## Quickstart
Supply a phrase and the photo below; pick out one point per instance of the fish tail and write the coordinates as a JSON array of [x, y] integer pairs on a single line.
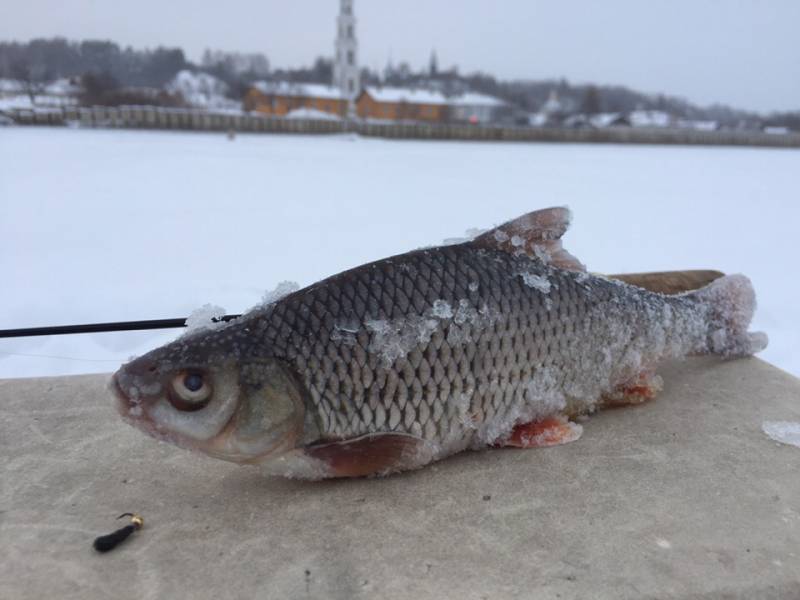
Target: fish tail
[[730, 303]]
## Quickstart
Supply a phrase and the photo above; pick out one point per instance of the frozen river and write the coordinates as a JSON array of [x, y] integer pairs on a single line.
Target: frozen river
[[115, 225]]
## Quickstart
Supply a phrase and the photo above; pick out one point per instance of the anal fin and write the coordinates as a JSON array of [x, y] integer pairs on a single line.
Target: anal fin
[[371, 454], [645, 387], [551, 431]]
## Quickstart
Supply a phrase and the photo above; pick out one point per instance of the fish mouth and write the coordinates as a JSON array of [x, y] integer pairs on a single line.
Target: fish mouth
[[134, 412]]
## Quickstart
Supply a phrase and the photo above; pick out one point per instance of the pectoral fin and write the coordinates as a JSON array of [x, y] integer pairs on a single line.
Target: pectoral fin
[[372, 454]]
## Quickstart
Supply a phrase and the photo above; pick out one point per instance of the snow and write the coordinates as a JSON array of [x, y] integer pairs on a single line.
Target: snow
[[442, 310], [299, 90], [785, 432], [127, 225], [283, 289], [23, 101], [63, 87], [412, 96], [476, 99], [205, 317], [11, 86], [698, 125], [202, 90], [312, 113], [603, 119], [538, 282], [650, 118]]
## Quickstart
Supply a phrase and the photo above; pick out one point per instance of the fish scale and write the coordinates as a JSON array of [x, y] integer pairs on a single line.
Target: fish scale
[[522, 330]]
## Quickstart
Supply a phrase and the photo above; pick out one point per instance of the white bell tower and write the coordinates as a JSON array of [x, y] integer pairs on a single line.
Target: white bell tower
[[345, 66]]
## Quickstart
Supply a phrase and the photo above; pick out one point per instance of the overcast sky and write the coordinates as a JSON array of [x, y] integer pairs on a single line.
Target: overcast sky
[[745, 53]]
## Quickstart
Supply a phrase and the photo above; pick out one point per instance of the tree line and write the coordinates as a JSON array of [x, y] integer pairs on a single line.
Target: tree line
[[111, 74]]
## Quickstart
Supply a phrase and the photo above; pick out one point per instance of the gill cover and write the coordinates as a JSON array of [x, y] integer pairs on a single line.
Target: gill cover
[[270, 417]]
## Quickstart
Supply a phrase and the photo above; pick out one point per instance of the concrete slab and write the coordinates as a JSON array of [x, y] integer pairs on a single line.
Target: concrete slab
[[684, 497]]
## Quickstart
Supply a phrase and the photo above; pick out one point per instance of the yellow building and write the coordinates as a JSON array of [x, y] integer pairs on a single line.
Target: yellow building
[[402, 104], [280, 98]]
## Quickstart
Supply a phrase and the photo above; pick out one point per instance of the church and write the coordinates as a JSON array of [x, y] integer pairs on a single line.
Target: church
[[345, 98]]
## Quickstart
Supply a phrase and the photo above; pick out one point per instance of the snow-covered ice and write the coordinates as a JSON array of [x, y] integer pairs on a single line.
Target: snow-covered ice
[[104, 225]]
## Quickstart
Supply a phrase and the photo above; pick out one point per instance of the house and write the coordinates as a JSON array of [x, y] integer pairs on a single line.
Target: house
[[472, 107], [612, 119], [402, 104], [280, 98], [650, 118], [698, 125], [375, 103], [577, 121], [551, 114]]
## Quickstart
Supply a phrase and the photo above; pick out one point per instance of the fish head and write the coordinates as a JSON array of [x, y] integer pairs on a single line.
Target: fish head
[[197, 394]]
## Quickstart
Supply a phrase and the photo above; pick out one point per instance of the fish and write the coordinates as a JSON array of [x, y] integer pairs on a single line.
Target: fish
[[504, 340]]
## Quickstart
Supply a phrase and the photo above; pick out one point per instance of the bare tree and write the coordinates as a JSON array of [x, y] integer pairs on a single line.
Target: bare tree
[[34, 77], [591, 101]]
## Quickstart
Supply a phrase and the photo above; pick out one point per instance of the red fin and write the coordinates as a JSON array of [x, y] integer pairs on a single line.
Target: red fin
[[670, 282], [537, 234], [372, 454], [550, 431], [640, 390]]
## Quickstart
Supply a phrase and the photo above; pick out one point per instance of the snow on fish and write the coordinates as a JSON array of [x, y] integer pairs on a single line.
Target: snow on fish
[[502, 340]]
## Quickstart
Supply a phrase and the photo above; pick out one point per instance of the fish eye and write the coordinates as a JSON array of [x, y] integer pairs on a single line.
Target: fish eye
[[189, 391]]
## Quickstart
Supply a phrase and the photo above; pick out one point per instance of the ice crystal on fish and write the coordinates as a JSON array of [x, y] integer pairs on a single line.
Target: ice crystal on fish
[[346, 334], [442, 309], [283, 289], [501, 236], [205, 317], [469, 235], [394, 339], [538, 282], [542, 254], [465, 312]]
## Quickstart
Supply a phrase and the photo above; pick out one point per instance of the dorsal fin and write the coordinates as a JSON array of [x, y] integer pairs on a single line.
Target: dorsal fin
[[536, 234], [670, 282]]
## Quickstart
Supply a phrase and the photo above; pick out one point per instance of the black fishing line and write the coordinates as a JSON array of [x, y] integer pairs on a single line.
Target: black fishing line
[[106, 543], [104, 327]]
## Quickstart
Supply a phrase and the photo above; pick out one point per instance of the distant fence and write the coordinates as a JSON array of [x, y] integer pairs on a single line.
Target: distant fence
[[149, 117]]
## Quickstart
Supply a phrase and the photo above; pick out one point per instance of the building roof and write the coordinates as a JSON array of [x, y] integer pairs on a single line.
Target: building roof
[[476, 99], [299, 90], [423, 96], [411, 96], [650, 118], [380, 94]]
